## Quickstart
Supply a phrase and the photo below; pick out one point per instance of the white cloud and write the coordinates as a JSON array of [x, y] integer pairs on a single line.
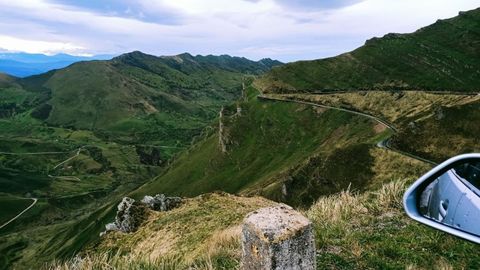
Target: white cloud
[[255, 29], [13, 44]]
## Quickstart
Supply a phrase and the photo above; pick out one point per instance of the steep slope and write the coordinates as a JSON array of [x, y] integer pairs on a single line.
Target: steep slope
[[5, 78], [284, 151], [430, 125], [443, 56], [167, 97], [80, 138]]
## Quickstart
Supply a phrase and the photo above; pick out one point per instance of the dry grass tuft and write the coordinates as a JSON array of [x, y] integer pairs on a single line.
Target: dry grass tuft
[[225, 241], [390, 195], [336, 208]]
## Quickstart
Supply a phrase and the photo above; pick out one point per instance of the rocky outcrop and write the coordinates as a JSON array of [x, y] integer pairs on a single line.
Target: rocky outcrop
[[160, 202], [222, 137], [277, 238], [131, 214]]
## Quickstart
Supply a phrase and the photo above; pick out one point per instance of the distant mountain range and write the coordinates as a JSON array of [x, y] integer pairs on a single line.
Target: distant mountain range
[[134, 92], [26, 64]]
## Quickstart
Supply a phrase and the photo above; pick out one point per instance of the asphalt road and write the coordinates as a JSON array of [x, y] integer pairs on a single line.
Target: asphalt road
[[382, 144], [21, 213]]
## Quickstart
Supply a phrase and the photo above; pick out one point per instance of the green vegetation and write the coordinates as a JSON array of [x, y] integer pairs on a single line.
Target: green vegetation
[[284, 151], [444, 56], [12, 206], [371, 231], [262, 143], [80, 138], [430, 125], [353, 231], [203, 233]]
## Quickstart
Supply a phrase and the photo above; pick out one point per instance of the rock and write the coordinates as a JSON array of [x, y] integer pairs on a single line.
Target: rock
[[130, 215], [111, 227], [161, 203], [277, 238]]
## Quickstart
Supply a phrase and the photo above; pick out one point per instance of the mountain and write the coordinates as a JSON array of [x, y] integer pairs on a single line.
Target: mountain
[[137, 84], [25, 64], [444, 56], [79, 138], [173, 96]]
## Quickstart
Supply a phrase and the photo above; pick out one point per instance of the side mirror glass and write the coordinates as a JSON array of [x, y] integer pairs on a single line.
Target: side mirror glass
[[447, 198]]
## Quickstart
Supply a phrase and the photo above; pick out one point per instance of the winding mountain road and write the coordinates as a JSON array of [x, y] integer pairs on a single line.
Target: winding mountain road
[[385, 144], [21, 213]]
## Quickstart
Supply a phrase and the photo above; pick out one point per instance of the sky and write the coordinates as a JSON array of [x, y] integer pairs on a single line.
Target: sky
[[287, 30]]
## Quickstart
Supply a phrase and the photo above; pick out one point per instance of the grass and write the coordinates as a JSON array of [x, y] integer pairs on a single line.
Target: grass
[[67, 215], [397, 107], [443, 57], [263, 144], [371, 231], [12, 206], [352, 231], [430, 125], [203, 233]]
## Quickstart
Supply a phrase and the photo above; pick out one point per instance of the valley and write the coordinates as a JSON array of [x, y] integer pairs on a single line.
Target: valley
[[339, 139], [78, 160]]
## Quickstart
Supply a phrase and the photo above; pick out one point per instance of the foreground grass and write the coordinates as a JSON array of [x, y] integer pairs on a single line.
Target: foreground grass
[[371, 231], [203, 233], [353, 231]]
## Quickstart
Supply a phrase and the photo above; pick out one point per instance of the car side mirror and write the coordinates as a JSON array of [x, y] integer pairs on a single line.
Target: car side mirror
[[447, 198]]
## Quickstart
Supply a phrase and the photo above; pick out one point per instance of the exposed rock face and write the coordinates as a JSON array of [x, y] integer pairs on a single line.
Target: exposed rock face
[[222, 140], [277, 238], [161, 203], [131, 214]]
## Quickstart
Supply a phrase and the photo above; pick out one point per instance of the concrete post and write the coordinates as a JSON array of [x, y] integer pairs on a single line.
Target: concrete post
[[277, 238]]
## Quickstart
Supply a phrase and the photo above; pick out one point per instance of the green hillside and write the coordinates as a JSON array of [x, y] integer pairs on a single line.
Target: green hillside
[[444, 56], [80, 138], [284, 151]]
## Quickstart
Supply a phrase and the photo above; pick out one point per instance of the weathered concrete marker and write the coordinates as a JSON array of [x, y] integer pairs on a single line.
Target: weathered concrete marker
[[277, 238]]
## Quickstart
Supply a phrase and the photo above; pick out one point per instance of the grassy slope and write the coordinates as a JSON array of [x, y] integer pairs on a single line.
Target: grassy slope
[[67, 209], [353, 231], [442, 56], [12, 206], [100, 94], [274, 146], [433, 126], [119, 111]]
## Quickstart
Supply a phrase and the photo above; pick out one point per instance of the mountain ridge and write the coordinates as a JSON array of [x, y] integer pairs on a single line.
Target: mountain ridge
[[444, 56]]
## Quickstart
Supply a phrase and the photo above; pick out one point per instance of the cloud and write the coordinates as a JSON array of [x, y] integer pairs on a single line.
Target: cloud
[[123, 8], [250, 28], [317, 4], [12, 44]]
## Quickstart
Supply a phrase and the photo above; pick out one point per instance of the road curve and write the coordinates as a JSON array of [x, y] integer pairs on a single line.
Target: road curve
[[379, 120], [21, 213], [382, 144]]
